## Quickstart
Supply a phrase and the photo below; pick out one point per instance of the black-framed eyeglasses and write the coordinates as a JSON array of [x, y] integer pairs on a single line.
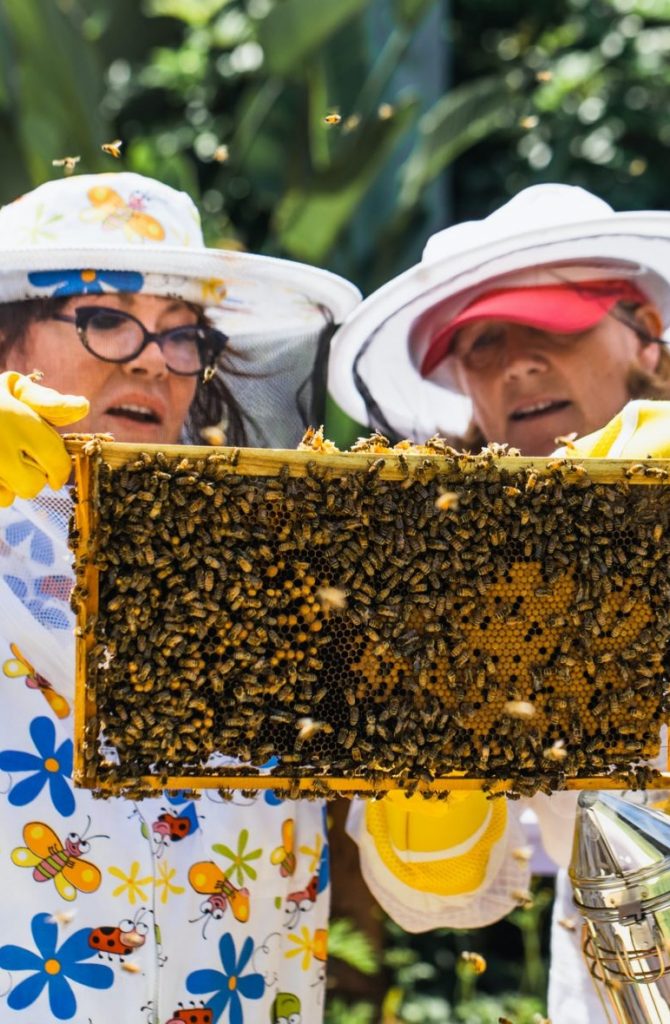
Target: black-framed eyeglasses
[[119, 337]]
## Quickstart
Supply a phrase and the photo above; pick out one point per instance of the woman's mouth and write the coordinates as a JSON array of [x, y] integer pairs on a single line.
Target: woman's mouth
[[537, 409], [136, 413]]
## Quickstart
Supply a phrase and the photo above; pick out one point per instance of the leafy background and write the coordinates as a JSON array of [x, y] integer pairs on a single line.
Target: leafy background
[[446, 110]]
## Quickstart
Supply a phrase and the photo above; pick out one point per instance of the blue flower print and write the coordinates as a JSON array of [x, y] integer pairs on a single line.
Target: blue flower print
[[49, 765], [323, 870], [40, 602], [87, 282], [229, 985], [53, 968], [41, 548]]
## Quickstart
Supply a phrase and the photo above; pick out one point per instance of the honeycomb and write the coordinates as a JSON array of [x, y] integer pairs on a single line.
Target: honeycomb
[[335, 617]]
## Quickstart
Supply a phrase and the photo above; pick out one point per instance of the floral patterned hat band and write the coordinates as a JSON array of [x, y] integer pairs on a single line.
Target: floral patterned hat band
[[106, 233]]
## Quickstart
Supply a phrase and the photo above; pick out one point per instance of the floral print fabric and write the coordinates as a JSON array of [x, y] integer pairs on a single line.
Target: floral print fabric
[[148, 912]]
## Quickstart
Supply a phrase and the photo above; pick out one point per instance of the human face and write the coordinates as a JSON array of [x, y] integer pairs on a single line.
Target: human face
[[543, 385], [135, 401]]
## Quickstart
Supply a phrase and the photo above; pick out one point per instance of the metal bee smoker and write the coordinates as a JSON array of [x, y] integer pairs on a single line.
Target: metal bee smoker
[[620, 874]]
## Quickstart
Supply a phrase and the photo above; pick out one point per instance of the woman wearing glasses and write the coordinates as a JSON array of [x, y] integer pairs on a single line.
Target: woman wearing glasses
[[169, 908]]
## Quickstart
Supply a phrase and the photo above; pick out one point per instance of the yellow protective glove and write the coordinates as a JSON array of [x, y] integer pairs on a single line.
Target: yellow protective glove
[[443, 846], [640, 431], [32, 454]]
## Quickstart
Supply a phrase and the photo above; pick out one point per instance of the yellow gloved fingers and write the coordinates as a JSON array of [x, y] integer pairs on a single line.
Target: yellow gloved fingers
[[33, 448], [32, 453], [6, 496], [640, 431], [51, 405]]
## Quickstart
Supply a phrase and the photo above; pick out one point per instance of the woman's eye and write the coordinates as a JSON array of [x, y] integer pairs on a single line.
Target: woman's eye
[[187, 333], [484, 340], [106, 321]]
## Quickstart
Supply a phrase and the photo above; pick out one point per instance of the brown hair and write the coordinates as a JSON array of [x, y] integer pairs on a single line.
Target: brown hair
[[213, 403]]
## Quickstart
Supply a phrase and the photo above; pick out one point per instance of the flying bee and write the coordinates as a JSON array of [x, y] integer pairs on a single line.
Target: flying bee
[[447, 501], [112, 148], [522, 709], [68, 163], [332, 118], [568, 923], [62, 917], [568, 439], [475, 961], [221, 154], [523, 854], [523, 898], [307, 728], [556, 752], [130, 967], [331, 598]]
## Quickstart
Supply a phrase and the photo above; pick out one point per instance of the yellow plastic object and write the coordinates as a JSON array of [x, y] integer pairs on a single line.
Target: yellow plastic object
[[32, 454], [330, 612], [439, 848], [640, 431]]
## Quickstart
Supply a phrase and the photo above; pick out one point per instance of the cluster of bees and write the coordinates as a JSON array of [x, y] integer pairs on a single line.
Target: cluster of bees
[[331, 624]]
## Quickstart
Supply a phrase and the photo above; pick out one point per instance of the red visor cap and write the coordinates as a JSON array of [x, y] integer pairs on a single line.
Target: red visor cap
[[563, 308]]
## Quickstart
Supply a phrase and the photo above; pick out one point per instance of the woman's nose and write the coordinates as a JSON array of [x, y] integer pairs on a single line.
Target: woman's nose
[[149, 362], [522, 353]]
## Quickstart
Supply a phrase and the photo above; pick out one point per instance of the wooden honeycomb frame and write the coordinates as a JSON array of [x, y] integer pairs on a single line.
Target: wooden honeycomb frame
[[397, 470]]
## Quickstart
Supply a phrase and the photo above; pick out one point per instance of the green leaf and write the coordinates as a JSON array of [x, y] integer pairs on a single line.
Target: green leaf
[[352, 946], [463, 117], [411, 12], [58, 89], [295, 29], [309, 219], [193, 12]]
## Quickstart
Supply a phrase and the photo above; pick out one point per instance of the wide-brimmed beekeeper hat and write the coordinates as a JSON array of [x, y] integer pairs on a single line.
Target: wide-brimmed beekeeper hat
[[106, 233], [386, 367]]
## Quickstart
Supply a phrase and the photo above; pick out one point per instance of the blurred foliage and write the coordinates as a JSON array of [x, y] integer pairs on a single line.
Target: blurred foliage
[[432, 985], [594, 79]]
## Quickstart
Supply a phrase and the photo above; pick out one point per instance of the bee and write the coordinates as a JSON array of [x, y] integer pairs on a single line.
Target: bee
[[307, 728], [566, 440], [331, 597], [520, 709], [447, 501], [332, 118], [556, 752], [68, 163], [522, 898], [475, 961], [523, 854], [213, 435], [221, 154], [568, 923], [385, 111], [112, 148], [62, 917]]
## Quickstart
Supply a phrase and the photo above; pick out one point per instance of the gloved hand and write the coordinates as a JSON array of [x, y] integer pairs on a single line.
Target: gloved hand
[[640, 431], [444, 847], [32, 454]]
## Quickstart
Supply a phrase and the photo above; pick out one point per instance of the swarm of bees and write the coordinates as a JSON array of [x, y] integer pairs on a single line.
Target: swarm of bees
[[339, 622]]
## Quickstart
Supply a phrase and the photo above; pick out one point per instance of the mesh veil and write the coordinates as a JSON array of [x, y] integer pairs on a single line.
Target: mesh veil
[[278, 382]]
